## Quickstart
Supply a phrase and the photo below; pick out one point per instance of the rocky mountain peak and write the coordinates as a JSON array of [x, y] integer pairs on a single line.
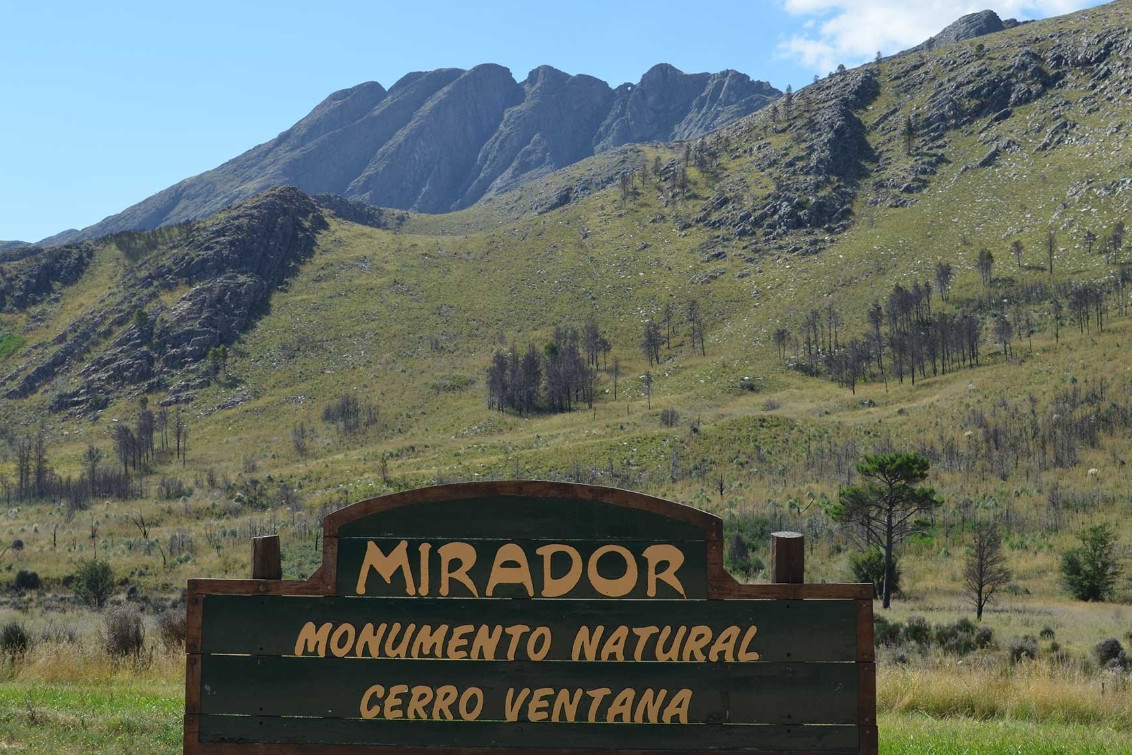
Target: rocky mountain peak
[[442, 140], [966, 27]]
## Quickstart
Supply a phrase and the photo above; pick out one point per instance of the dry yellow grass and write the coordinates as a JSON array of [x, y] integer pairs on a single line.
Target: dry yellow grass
[[1038, 691]]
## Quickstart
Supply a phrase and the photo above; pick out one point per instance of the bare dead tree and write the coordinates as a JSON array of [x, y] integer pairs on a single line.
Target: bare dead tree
[[985, 572]]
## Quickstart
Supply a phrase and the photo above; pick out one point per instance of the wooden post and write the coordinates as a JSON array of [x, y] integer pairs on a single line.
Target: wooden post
[[787, 557], [265, 558]]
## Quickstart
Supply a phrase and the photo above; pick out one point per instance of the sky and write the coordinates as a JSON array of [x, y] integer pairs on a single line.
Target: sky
[[102, 104]]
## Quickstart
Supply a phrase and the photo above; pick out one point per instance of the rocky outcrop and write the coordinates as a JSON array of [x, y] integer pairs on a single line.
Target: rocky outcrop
[[29, 274], [967, 27], [442, 140], [231, 264]]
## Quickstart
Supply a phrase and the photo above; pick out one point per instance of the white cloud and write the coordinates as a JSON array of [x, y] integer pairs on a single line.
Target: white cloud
[[853, 31]]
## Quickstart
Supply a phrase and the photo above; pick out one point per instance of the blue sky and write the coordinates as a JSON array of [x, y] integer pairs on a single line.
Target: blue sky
[[100, 107]]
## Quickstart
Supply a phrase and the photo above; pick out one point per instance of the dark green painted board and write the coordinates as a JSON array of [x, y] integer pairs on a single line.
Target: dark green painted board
[[788, 630], [722, 693], [351, 554], [521, 518], [835, 740]]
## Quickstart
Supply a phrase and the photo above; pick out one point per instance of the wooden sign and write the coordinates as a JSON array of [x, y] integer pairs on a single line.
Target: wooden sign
[[527, 616]]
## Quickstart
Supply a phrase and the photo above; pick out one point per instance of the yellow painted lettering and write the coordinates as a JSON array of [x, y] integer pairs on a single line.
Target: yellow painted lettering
[[451, 553], [386, 566], [724, 645], [745, 654], [457, 642], [313, 640], [614, 647], [677, 707], [485, 642], [698, 638], [342, 640], [393, 701], [555, 587], [673, 558], [372, 710], [586, 643], [537, 710], [613, 588]]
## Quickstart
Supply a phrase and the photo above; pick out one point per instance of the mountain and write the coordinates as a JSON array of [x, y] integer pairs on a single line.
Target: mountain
[[1008, 141], [441, 140]]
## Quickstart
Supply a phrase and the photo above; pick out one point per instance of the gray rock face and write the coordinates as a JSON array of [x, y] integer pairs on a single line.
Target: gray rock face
[[441, 140], [968, 27]]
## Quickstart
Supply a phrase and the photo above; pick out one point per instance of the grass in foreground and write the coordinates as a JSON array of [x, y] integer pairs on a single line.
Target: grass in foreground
[[135, 718], [59, 718], [920, 734]]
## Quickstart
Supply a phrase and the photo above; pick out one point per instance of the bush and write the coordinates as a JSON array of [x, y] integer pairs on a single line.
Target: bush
[[887, 632], [94, 582], [868, 566], [1108, 650], [918, 631], [963, 637], [740, 559], [27, 580], [171, 628], [1047, 633], [669, 417], [125, 633], [14, 639], [1090, 571], [1023, 647]]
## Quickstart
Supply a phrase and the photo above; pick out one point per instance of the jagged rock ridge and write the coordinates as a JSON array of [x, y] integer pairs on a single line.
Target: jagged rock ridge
[[441, 140], [230, 264]]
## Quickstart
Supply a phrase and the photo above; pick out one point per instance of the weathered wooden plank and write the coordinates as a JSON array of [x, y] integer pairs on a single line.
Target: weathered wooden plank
[[692, 573], [733, 590], [521, 517], [721, 693], [627, 738], [539, 491], [787, 630]]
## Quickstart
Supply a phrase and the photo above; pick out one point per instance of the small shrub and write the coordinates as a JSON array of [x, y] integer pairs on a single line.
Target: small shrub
[[740, 559], [171, 628], [14, 639], [1047, 633], [125, 632], [1023, 647], [94, 582], [1108, 650], [868, 566], [887, 632], [963, 637], [1090, 571], [918, 631], [669, 417], [27, 580]]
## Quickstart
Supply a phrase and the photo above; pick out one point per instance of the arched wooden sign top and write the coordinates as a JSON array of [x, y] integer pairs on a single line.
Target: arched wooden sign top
[[527, 616]]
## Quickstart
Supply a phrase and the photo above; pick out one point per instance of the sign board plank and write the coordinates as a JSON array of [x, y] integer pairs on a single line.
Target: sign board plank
[[787, 630], [748, 693], [448, 737], [623, 632], [522, 518], [539, 562]]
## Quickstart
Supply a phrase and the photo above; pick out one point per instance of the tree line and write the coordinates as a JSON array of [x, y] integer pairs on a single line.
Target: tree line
[[134, 447]]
